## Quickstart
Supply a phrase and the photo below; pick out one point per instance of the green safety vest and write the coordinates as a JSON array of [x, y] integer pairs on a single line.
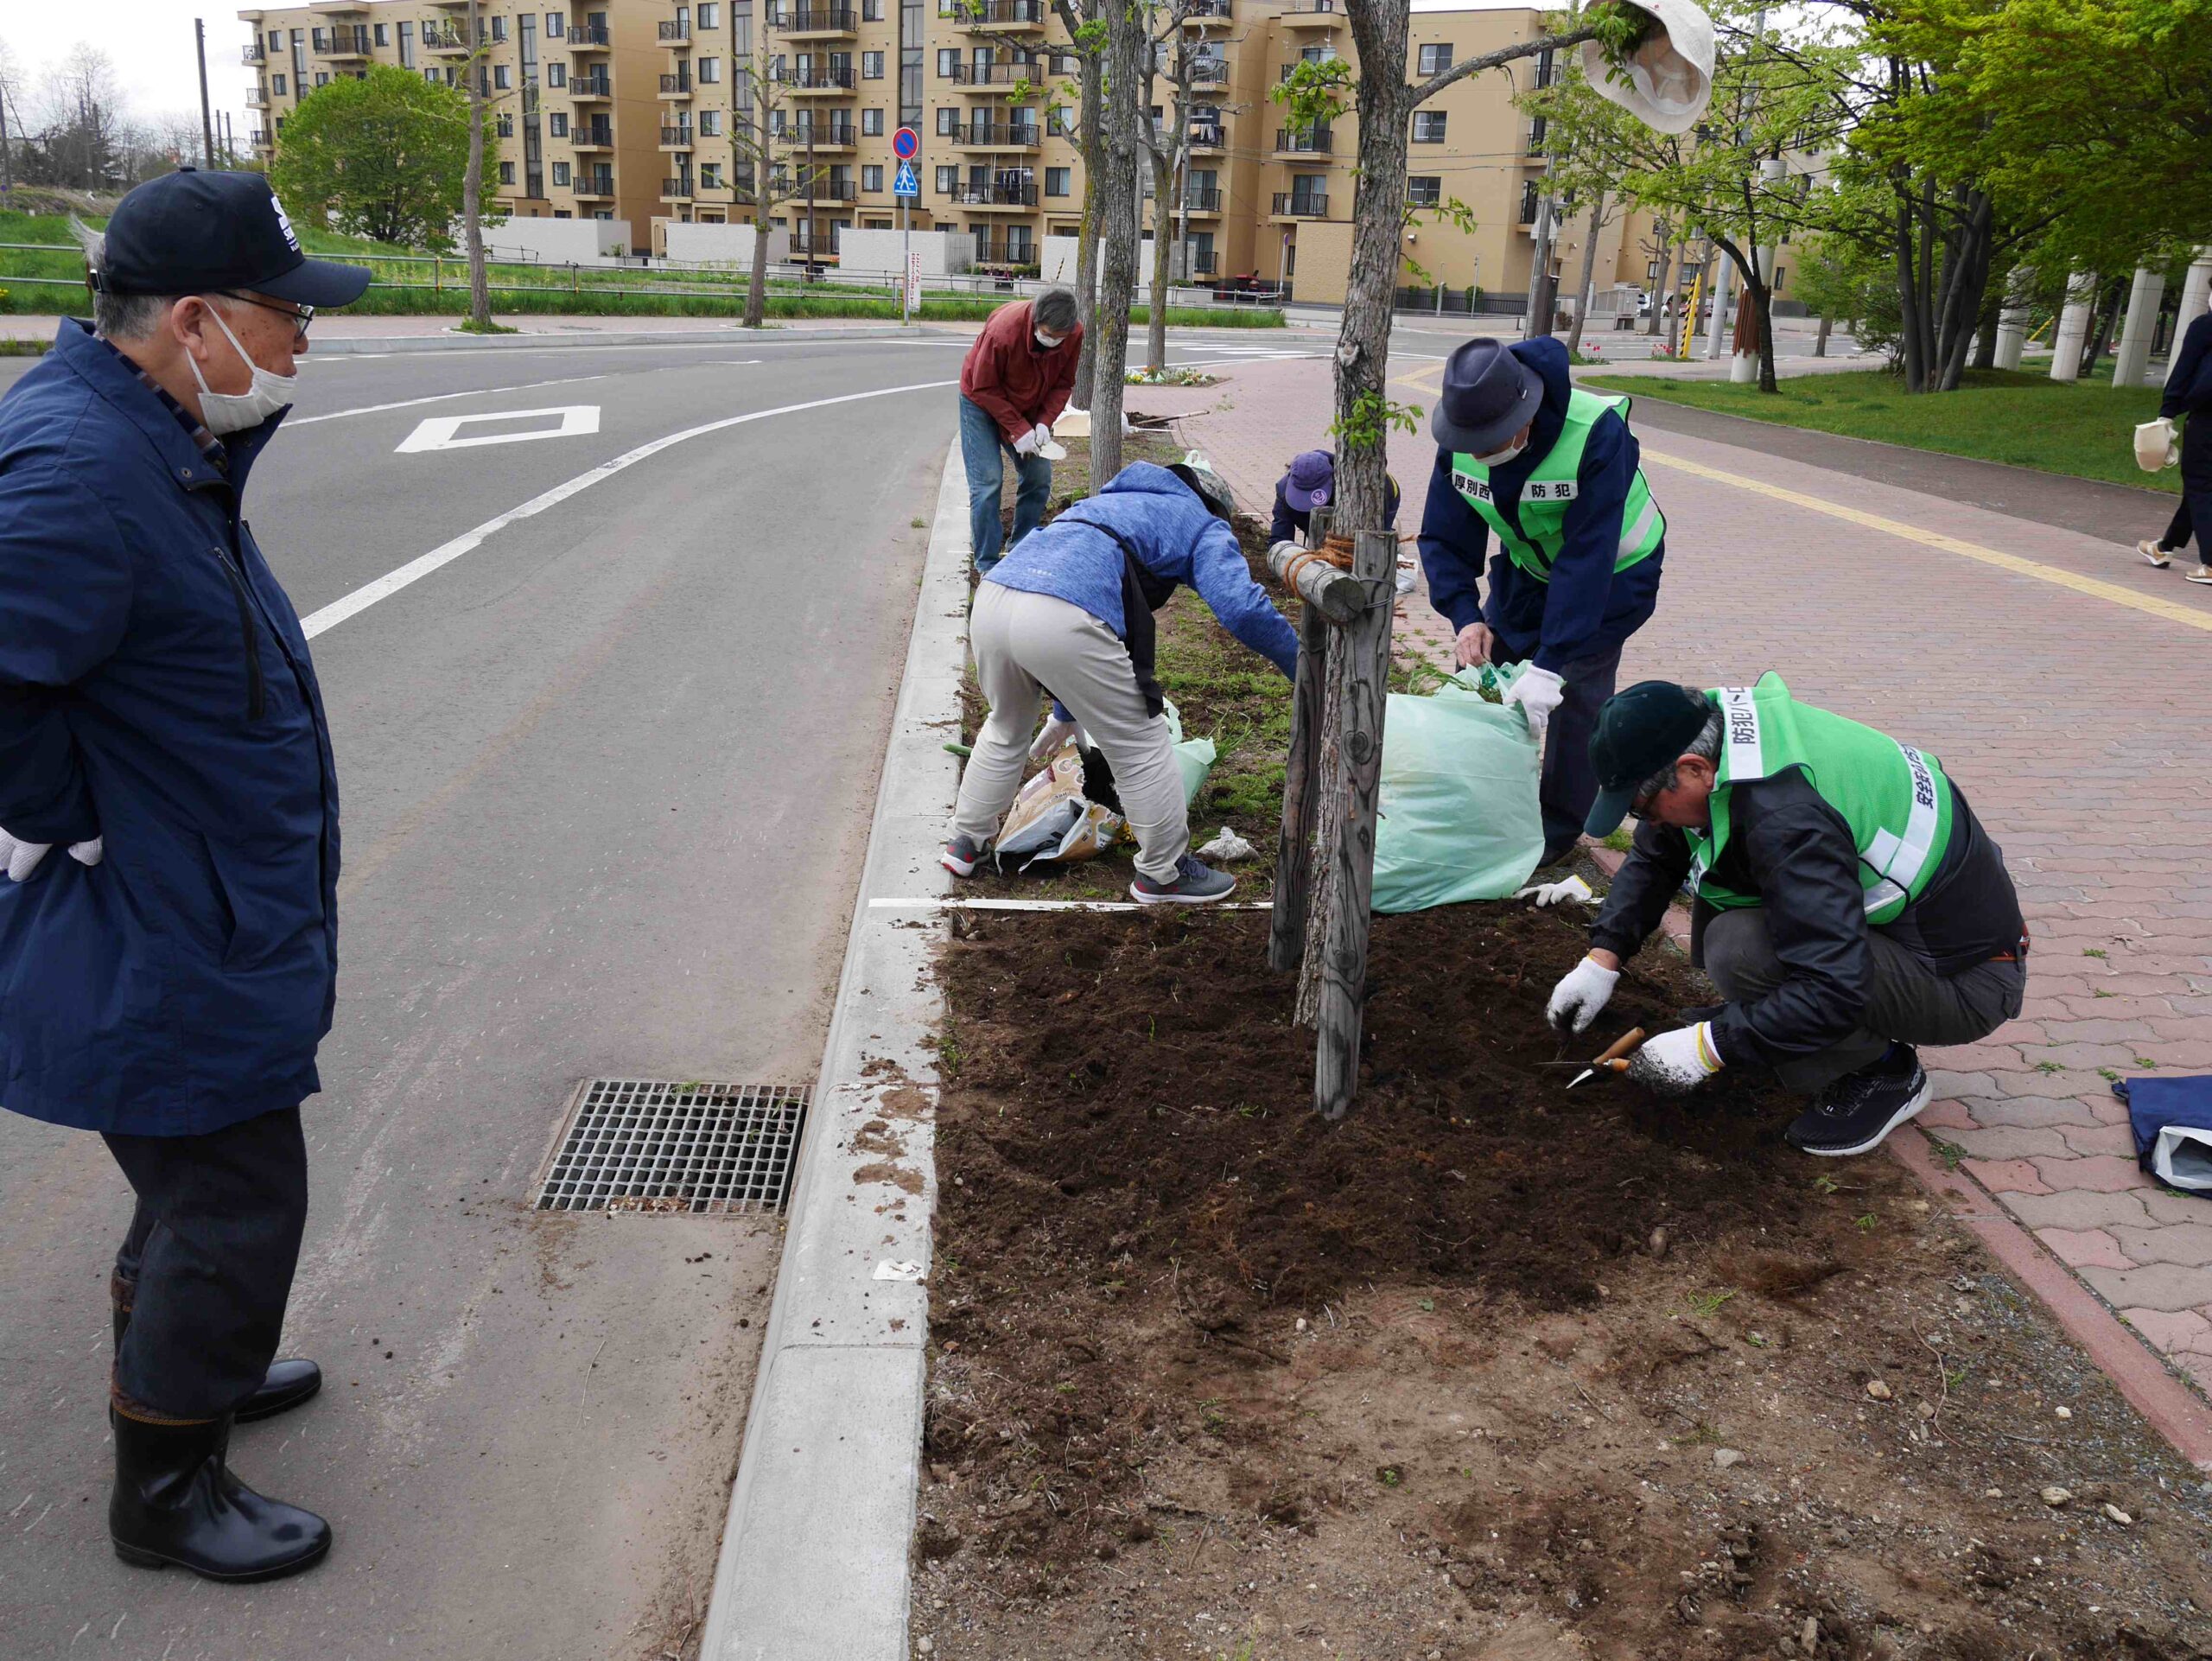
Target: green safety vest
[[1552, 488], [1895, 798]]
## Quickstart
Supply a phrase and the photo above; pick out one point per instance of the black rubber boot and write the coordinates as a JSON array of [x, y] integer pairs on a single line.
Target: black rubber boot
[[176, 1503], [286, 1385]]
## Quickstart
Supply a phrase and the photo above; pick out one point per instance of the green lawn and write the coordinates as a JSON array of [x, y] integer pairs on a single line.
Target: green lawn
[[2026, 419]]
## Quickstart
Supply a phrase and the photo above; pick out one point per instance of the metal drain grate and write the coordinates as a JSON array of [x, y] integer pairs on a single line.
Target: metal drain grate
[[651, 1146]]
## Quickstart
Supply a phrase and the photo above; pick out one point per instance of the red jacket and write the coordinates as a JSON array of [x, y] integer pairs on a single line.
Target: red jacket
[[1019, 382]]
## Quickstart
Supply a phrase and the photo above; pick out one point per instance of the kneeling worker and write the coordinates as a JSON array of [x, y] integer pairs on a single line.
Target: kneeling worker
[[1070, 607], [1849, 906]]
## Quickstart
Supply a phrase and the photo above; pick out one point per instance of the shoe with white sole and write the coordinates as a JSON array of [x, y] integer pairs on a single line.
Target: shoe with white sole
[[2203, 574], [1856, 1113], [1196, 884], [2153, 555], [962, 855]]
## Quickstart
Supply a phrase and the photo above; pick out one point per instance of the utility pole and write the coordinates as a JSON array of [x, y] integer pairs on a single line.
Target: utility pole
[[7, 151], [206, 121]]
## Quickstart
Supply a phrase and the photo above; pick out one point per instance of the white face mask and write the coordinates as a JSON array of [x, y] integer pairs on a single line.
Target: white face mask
[[233, 412], [1048, 342], [1500, 457]]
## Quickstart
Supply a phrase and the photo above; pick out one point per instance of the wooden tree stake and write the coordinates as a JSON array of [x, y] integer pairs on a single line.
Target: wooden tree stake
[[1301, 798]]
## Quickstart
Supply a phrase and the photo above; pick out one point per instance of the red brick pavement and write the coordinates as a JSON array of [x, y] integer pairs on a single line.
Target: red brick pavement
[[2066, 718]]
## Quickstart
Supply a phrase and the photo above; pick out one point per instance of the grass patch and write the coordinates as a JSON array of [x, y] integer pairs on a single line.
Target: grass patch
[[2085, 430], [25, 348]]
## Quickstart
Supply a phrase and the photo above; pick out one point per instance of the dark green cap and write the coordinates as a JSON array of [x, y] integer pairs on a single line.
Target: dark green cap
[[1639, 731]]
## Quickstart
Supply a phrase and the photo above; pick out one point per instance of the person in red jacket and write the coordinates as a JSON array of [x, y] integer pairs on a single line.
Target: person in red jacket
[[1013, 387]]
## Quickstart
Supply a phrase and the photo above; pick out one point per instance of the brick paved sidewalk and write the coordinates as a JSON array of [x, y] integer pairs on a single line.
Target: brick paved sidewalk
[[2055, 680]]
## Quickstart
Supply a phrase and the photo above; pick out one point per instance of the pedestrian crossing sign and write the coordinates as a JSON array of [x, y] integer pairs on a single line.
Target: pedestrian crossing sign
[[907, 183]]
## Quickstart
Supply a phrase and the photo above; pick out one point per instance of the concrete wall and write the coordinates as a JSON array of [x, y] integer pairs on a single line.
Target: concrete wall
[[1056, 263], [582, 242], [944, 253], [720, 245]]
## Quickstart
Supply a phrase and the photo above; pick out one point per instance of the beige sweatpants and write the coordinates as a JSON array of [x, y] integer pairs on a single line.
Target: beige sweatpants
[[1023, 643]]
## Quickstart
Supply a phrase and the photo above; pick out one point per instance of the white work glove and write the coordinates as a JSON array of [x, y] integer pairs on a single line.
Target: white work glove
[[1538, 692], [1582, 991], [1042, 434], [1027, 443], [1472, 646], [1677, 1061], [1557, 893], [22, 858], [1055, 733]]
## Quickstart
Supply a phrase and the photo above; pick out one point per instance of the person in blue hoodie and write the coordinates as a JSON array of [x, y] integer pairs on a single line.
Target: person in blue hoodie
[[1069, 608], [1549, 474]]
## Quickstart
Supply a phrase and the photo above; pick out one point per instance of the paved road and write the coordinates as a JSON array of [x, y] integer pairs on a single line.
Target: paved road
[[607, 779]]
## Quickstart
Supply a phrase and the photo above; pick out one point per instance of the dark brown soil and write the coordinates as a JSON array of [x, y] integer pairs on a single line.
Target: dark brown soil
[[1212, 1377]]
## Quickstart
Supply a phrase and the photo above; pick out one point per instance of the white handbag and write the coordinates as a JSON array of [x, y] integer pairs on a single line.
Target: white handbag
[[2155, 447], [1669, 77]]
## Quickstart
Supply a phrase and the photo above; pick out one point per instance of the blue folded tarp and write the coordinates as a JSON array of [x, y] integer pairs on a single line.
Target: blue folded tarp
[[2172, 1122]]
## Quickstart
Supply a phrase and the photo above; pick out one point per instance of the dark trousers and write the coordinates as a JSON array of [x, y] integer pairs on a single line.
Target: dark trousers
[[1908, 1001], [2194, 513], [1568, 784], [207, 1267]]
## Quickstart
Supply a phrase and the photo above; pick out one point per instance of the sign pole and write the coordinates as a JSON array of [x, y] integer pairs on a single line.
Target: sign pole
[[906, 145], [905, 262]]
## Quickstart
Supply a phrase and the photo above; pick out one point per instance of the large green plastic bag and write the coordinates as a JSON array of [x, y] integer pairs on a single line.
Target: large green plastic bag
[[1458, 813], [1194, 756]]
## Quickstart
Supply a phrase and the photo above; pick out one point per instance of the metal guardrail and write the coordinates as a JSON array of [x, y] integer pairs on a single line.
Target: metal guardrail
[[1290, 206], [1292, 141]]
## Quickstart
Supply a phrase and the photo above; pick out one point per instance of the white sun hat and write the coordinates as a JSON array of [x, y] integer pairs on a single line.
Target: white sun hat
[[1669, 78]]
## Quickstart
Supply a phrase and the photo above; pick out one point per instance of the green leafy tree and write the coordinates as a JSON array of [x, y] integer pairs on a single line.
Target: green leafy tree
[[382, 156]]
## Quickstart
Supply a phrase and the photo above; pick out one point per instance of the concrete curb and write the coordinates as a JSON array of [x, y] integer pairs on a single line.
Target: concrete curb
[[342, 346], [814, 1562], [2173, 1410]]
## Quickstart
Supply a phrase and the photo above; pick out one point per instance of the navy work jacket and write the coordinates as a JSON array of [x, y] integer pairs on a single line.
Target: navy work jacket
[[154, 691]]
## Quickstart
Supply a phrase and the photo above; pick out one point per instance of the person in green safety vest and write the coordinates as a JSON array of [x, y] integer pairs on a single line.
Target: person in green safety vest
[[1848, 903], [1543, 482]]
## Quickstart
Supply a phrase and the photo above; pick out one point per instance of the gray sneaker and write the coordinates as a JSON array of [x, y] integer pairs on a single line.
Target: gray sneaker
[[1196, 884], [962, 855]]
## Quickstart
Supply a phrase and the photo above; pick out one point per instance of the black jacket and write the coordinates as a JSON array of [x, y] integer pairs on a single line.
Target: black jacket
[[1794, 851], [2189, 379]]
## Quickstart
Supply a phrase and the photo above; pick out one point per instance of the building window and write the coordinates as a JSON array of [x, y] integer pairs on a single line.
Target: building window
[[561, 174], [322, 78], [558, 123], [710, 71], [1428, 126], [556, 25], [872, 177], [710, 15], [556, 74], [506, 124], [431, 74], [947, 178], [948, 62], [275, 40], [871, 11], [1056, 120], [499, 77], [710, 174], [872, 122], [384, 34], [1529, 201], [710, 123], [1056, 181], [871, 65], [277, 84], [1435, 59], [506, 173], [1427, 191], [948, 122], [499, 30]]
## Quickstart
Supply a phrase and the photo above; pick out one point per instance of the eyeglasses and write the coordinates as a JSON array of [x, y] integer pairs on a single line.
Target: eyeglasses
[[301, 316]]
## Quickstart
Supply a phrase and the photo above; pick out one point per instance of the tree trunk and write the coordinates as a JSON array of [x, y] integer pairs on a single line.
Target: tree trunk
[[472, 186], [1092, 138], [1821, 341], [1659, 283], [1127, 44], [756, 281], [1910, 347], [756, 285], [1588, 290], [1156, 335], [1539, 271], [2100, 335]]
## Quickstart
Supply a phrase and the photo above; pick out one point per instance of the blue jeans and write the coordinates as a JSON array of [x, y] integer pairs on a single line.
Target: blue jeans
[[980, 442]]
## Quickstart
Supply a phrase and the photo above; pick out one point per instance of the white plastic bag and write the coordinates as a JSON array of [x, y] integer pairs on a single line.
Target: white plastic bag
[[1669, 77], [2155, 446]]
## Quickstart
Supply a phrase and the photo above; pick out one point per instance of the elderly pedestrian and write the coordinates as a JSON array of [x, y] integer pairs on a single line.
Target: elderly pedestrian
[[165, 978], [2189, 396], [1014, 383]]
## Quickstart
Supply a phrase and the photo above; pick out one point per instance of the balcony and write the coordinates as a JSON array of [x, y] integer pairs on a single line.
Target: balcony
[[1023, 14], [256, 99], [1290, 69], [675, 190], [592, 136], [1293, 141], [1313, 14], [1206, 14], [589, 37], [676, 138], [1014, 257], [1206, 139], [813, 249], [991, 77], [676, 86], [678, 34], [813, 81], [342, 42], [1299, 205], [1013, 196], [590, 89], [827, 190], [1207, 70], [253, 54], [261, 139], [827, 136], [1203, 262], [1195, 201], [444, 37], [816, 23], [997, 135], [595, 187]]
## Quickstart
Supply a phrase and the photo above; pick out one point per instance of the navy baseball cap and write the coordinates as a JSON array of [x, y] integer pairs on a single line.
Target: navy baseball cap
[[1639, 731], [1313, 481], [194, 233], [1488, 395]]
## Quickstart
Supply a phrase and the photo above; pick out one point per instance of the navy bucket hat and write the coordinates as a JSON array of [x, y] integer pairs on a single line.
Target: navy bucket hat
[[1487, 396]]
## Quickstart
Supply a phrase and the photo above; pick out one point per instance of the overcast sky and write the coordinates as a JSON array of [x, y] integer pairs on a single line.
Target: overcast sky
[[150, 43]]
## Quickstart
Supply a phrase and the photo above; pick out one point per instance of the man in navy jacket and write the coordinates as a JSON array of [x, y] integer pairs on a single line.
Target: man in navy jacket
[[1549, 475], [165, 981]]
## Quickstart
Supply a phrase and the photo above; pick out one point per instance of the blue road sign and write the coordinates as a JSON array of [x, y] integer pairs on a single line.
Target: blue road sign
[[907, 183], [905, 143]]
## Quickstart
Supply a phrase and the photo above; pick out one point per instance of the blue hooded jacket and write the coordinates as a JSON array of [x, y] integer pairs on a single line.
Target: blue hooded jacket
[[154, 691], [1586, 608], [1174, 536]]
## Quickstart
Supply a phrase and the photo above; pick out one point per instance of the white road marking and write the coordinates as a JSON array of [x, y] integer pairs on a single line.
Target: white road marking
[[939, 903], [438, 398], [415, 570], [443, 432]]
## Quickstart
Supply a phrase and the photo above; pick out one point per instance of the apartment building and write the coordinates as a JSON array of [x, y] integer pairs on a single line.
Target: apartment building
[[645, 110]]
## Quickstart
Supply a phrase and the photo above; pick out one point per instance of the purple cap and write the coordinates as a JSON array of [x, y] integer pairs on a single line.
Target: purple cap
[[1312, 482]]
